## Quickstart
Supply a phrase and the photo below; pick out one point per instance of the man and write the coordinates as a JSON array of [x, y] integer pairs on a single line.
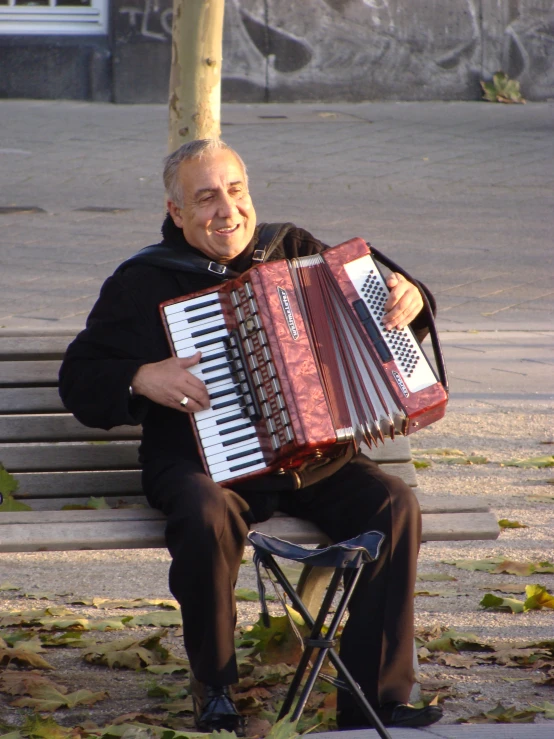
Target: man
[[119, 371]]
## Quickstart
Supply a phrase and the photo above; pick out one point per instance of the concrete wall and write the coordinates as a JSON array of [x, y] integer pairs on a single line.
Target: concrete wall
[[325, 50]]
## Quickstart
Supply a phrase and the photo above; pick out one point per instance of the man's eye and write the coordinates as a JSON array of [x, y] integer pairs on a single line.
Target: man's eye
[[206, 198], [236, 192]]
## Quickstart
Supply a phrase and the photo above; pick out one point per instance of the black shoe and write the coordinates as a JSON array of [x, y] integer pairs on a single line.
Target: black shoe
[[214, 708], [391, 714], [402, 714]]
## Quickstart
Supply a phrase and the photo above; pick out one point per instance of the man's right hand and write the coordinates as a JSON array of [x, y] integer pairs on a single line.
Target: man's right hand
[[168, 382]]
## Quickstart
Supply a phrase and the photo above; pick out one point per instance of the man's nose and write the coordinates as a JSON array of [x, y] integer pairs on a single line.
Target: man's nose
[[227, 206]]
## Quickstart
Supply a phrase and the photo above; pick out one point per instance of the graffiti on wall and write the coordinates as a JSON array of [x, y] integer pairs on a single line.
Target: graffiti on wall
[[366, 49]]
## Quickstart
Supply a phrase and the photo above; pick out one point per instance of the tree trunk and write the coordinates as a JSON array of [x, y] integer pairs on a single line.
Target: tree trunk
[[195, 80]]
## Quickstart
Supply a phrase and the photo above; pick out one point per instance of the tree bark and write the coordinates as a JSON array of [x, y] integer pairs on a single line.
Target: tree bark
[[195, 79]]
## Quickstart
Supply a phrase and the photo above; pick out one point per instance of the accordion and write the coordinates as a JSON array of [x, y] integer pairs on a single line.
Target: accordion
[[298, 363]]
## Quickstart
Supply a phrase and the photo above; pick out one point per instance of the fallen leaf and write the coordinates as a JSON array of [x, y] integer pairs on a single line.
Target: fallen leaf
[[25, 658], [546, 708], [494, 603], [15, 682], [505, 523], [531, 462], [156, 618], [538, 597], [501, 715], [48, 698], [435, 577], [132, 653], [456, 660], [37, 727]]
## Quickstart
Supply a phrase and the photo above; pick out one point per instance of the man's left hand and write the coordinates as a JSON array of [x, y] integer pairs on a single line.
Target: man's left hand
[[404, 302]]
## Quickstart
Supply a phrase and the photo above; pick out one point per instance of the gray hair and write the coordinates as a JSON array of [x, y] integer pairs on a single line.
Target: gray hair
[[192, 150]]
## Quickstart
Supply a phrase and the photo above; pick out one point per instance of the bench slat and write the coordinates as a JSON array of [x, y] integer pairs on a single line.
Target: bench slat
[[459, 526], [428, 503], [69, 456], [63, 484], [33, 372], [391, 451], [58, 427], [42, 344], [30, 400], [56, 504], [143, 528]]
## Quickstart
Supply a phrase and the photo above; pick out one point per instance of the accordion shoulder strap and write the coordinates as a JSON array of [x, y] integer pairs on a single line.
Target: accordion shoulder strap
[[270, 236]]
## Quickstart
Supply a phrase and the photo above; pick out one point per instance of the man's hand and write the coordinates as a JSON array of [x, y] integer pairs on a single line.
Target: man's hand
[[403, 304], [168, 382]]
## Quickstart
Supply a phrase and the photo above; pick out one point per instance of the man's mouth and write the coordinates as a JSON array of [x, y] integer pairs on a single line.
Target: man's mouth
[[228, 230]]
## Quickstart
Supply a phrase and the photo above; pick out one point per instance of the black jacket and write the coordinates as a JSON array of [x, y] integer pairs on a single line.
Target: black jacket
[[124, 331]]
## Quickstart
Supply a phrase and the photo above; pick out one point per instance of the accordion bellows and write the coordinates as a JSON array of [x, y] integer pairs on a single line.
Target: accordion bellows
[[298, 363]]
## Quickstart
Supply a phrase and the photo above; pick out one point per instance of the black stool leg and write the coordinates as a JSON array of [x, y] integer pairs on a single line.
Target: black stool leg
[[315, 635]]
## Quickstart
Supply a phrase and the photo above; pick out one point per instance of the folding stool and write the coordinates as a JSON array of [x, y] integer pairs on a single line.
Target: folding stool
[[347, 556]]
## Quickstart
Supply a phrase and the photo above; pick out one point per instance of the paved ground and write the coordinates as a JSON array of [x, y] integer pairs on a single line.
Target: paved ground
[[462, 194]]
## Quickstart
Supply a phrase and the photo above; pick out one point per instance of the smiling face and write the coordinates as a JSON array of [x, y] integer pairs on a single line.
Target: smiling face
[[216, 215]]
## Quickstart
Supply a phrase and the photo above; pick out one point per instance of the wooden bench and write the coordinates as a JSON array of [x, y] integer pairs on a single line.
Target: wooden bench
[[59, 462]]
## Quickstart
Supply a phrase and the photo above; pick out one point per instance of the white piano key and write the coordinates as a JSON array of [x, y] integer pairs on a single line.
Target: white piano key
[[236, 439], [215, 348], [186, 324], [196, 343], [211, 412], [216, 420], [179, 307], [219, 463], [226, 475], [184, 330], [244, 425]]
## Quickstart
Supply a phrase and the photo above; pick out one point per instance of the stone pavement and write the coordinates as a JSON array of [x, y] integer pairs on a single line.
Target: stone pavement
[[461, 194]]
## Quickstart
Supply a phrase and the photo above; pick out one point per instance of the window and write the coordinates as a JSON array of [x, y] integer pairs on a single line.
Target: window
[[53, 17]]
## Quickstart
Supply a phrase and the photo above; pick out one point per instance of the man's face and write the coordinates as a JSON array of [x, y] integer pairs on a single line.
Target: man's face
[[217, 215]]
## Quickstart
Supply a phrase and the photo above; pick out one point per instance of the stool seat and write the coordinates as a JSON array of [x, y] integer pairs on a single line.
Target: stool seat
[[349, 554], [346, 556]]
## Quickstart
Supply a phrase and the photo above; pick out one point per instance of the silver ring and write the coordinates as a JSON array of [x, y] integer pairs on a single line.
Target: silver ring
[[185, 401]]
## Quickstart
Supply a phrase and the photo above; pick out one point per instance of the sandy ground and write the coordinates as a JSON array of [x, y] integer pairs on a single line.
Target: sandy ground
[[523, 494]]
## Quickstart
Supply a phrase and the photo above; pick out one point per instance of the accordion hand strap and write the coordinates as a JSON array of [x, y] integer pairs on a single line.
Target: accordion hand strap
[[435, 341]]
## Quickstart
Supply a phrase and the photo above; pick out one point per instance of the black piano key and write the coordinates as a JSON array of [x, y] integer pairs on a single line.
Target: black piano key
[[235, 417], [205, 331], [246, 464], [234, 442], [207, 342], [217, 367], [211, 314], [211, 357], [244, 453], [219, 378], [199, 306], [232, 430], [225, 391], [226, 403]]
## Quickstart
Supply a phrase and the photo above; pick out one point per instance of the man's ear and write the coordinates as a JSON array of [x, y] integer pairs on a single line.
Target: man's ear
[[175, 213]]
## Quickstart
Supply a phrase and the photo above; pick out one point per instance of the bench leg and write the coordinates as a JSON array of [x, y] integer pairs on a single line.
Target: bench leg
[[312, 585]]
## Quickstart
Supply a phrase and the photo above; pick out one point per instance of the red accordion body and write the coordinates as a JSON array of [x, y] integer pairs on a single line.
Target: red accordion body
[[298, 363]]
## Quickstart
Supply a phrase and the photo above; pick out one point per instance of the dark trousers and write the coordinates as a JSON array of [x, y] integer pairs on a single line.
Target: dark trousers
[[205, 535]]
